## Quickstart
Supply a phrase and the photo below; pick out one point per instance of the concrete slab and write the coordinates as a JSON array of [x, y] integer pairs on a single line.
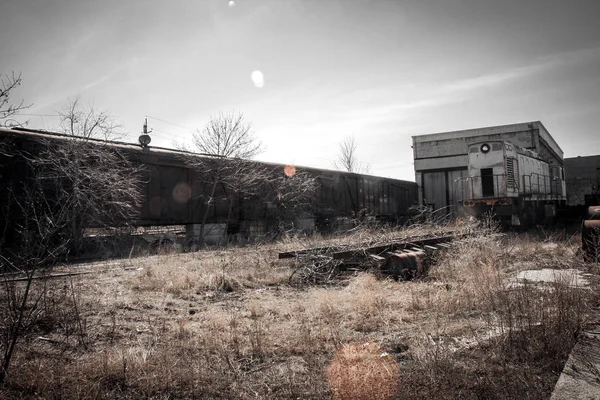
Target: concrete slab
[[580, 378], [571, 277]]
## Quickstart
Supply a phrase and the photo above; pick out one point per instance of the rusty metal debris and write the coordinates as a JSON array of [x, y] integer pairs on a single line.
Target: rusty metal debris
[[403, 259], [590, 235], [344, 252]]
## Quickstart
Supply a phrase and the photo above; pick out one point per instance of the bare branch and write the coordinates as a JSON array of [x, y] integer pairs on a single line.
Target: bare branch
[[85, 122], [227, 135], [8, 83]]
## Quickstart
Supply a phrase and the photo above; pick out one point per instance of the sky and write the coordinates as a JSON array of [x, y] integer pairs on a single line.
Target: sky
[[309, 73]]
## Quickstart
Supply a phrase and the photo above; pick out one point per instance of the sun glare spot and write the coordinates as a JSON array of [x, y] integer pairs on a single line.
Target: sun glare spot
[[258, 79], [289, 170], [231, 3]]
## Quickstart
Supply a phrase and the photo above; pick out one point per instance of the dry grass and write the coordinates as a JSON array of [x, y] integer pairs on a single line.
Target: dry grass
[[218, 271], [517, 336], [227, 324]]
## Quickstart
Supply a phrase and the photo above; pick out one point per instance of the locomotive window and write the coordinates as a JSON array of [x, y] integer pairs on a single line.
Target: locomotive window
[[474, 149], [496, 146]]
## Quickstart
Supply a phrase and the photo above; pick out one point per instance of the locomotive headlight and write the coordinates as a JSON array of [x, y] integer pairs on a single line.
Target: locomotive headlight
[[485, 148]]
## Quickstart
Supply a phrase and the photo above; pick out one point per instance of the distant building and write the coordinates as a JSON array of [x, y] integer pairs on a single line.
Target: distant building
[[441, 158], [582, 175]]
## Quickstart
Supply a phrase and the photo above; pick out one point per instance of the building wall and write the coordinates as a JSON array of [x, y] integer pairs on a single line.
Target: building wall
[[582, 175], [440, 158]]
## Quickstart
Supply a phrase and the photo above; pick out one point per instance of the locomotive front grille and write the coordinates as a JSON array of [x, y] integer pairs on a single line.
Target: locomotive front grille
[[510, 172]]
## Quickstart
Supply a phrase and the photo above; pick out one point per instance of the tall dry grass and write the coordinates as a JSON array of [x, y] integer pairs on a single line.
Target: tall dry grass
[[218, 271]]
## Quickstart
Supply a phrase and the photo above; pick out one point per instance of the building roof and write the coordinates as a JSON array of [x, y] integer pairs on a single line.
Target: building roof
[[493, 130]]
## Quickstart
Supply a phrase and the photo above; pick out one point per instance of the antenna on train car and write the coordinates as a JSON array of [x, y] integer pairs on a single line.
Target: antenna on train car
[[145, 137]]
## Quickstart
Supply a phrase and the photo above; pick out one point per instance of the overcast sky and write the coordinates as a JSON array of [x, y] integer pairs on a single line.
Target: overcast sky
[[379, 70]]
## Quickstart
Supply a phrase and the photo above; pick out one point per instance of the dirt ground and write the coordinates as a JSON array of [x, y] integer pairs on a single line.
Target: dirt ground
[[231, 324]]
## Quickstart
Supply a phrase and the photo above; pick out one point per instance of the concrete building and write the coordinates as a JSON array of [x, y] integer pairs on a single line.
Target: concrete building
[[441, 158], [582, 175]]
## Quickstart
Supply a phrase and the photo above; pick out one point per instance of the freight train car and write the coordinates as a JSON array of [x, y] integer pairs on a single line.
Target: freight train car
[[174, 196], [344, 194], [340, 198], [510, 182]]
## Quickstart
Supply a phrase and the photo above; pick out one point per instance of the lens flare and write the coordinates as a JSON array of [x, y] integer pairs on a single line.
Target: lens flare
[[182, 193], [258, 79], [289, 170]]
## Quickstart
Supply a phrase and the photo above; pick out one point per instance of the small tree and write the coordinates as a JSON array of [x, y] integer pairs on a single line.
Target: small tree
[[347, 159], [55, 187], [101, 184], [225, 145], [291, 194]]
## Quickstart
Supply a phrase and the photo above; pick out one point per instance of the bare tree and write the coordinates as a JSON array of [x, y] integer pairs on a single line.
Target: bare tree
[[8, 83], [86, 122], [102, 184], [225, 146], [55, 188], [347, 159], [227, 135]]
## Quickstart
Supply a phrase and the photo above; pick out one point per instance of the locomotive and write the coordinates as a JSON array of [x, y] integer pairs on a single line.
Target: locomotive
[[510, 182]]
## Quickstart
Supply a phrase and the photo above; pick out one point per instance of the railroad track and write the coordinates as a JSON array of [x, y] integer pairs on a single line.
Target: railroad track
[[65, 270]]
